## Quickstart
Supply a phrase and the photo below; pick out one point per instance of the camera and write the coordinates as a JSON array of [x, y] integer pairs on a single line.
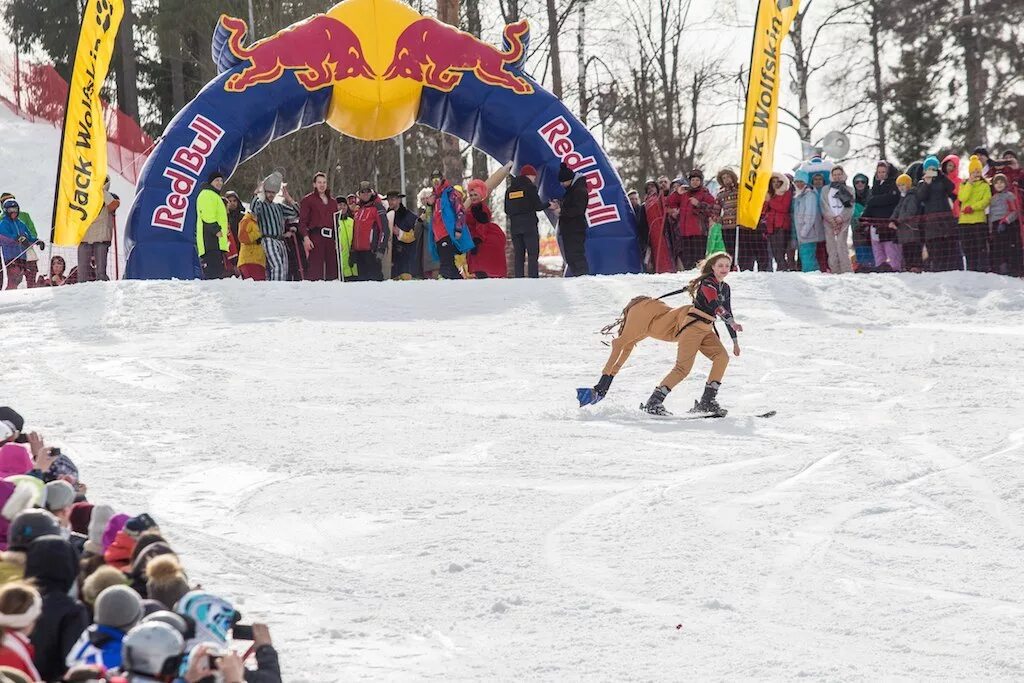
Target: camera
[[241, 631]]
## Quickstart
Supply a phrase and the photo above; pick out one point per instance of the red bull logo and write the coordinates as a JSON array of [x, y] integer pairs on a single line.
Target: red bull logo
[[319, 51], [437, 55]]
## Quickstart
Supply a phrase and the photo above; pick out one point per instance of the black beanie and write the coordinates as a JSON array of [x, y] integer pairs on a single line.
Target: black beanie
[[214, 176], [565, 173]]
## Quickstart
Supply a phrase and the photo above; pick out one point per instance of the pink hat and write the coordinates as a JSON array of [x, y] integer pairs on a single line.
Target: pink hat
[[115, 525], [14, 459], [478, 186]]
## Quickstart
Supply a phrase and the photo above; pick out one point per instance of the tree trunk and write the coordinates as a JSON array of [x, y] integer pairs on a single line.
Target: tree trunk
[[974, 131], [473, 24], [127, 74], [876, 64], [451, 156], [581, 56], [800, 68], [556, 58]]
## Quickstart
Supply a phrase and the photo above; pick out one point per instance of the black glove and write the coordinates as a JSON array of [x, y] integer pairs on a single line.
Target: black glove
[[604, 385], [351, 259], [40, 244]]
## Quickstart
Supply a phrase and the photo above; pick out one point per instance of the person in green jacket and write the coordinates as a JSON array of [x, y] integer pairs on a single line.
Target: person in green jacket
[[975, 195], [345, 226], [212, 228]]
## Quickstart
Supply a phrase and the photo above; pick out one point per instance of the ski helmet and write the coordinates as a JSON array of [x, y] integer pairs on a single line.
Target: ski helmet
[[29, 525], [213, 616], [11, 204], [152, 649], [170, 618]]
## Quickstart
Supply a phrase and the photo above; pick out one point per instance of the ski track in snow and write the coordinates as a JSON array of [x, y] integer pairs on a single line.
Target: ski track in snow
[[397, 479]]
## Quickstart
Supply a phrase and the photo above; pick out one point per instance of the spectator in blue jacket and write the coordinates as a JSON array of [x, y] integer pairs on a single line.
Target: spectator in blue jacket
[[15, 241]]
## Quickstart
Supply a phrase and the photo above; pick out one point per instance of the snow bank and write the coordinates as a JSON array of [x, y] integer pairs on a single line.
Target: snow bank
[[397, 479]]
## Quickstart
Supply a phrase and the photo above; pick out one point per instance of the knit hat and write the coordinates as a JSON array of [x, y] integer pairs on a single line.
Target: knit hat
[[103, 578], [980, 150], [81, 514], [216, 175], [118, 607], [528, 170], [59, 495], [565, 173], [478, 186], [695, 173], [904, 181], [14, 459], [860, 178], [802, 176], [7, 413], [1000, 177], [166, 581], [273, 182], [213, 615], [931, 164], [115, 525], [29, 525], [974, 165], [101, 515]]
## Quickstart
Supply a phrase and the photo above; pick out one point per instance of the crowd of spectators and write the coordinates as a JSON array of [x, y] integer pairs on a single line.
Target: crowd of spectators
[[88, 593], [929, 217]]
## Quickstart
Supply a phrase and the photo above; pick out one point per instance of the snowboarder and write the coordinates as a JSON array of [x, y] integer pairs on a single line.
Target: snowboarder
[[691, 327]]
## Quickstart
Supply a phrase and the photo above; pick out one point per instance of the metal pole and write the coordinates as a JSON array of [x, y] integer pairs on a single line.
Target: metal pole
[[401, 161]]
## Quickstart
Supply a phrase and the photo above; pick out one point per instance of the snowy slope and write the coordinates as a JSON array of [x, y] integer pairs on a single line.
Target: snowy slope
[[28, 169], [395, 476]]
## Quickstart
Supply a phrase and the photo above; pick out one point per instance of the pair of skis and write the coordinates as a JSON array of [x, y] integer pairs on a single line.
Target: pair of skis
[[588, 397]]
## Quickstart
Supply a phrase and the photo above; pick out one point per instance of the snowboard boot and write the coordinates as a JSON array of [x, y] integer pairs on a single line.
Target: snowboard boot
[[708, 403], [655, 404]]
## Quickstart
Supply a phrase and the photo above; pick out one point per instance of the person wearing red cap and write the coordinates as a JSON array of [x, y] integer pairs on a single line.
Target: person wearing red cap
[[522, 202]]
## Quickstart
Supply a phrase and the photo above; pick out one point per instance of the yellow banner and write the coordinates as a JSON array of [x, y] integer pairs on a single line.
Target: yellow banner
[[83, 152], [761, 122]]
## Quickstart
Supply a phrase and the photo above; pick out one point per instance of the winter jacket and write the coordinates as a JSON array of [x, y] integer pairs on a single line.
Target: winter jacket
[[572, 220], [906, 216], [954, 177], [53, 565], [211, 219], [807, 219], [346, 226], [522, 203], [1003, 208], [370, 232], [842, 194], [16, 652], [97, 645], [119, 553], [693, 220], [488, 254], [883, 199], [449, 219], [727, 200], [314, 213], [102, 229], [777, 214], [11, 229], [974, 196], [937, 219], [250, 251], [268, 666]]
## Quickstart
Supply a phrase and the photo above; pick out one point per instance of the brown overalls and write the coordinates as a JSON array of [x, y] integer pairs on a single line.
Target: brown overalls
[[692, 329]]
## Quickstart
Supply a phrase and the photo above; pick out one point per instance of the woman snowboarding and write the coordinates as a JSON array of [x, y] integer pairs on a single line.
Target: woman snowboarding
[[691, 327]]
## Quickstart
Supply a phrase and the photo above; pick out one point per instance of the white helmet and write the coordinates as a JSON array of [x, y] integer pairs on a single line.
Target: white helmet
[[152, 649]]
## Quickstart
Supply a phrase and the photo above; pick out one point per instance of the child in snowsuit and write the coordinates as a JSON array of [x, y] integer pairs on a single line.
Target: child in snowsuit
[[691, 327]]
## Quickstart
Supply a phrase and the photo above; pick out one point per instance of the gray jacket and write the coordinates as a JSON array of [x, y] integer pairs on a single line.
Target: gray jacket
[[1004, 205], [828, 212]]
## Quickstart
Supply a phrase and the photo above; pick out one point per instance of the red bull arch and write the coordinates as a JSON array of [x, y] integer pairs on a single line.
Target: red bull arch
[[370, 69]]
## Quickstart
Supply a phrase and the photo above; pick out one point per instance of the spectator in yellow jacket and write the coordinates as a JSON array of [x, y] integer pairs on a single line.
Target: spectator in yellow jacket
[[252, 261], [975, 195], [212, 228]]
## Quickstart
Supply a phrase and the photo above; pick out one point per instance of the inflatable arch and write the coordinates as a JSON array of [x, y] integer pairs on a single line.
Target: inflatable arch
[[370, 69]]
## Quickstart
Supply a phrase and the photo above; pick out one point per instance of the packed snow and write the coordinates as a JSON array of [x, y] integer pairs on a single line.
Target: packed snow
[[397, 479]]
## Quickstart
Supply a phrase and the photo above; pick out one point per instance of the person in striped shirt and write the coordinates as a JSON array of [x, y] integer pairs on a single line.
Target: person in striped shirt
[[271, 217]]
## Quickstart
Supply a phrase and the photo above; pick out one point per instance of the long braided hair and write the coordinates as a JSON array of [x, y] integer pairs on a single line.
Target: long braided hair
[[706, 268]]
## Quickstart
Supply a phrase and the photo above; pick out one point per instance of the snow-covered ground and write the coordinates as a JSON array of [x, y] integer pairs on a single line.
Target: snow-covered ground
[[396, 478]]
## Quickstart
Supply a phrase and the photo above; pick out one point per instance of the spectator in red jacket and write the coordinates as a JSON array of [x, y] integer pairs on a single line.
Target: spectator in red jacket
[[694, 204], [317, 228], [778, 221], [655, 214]]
